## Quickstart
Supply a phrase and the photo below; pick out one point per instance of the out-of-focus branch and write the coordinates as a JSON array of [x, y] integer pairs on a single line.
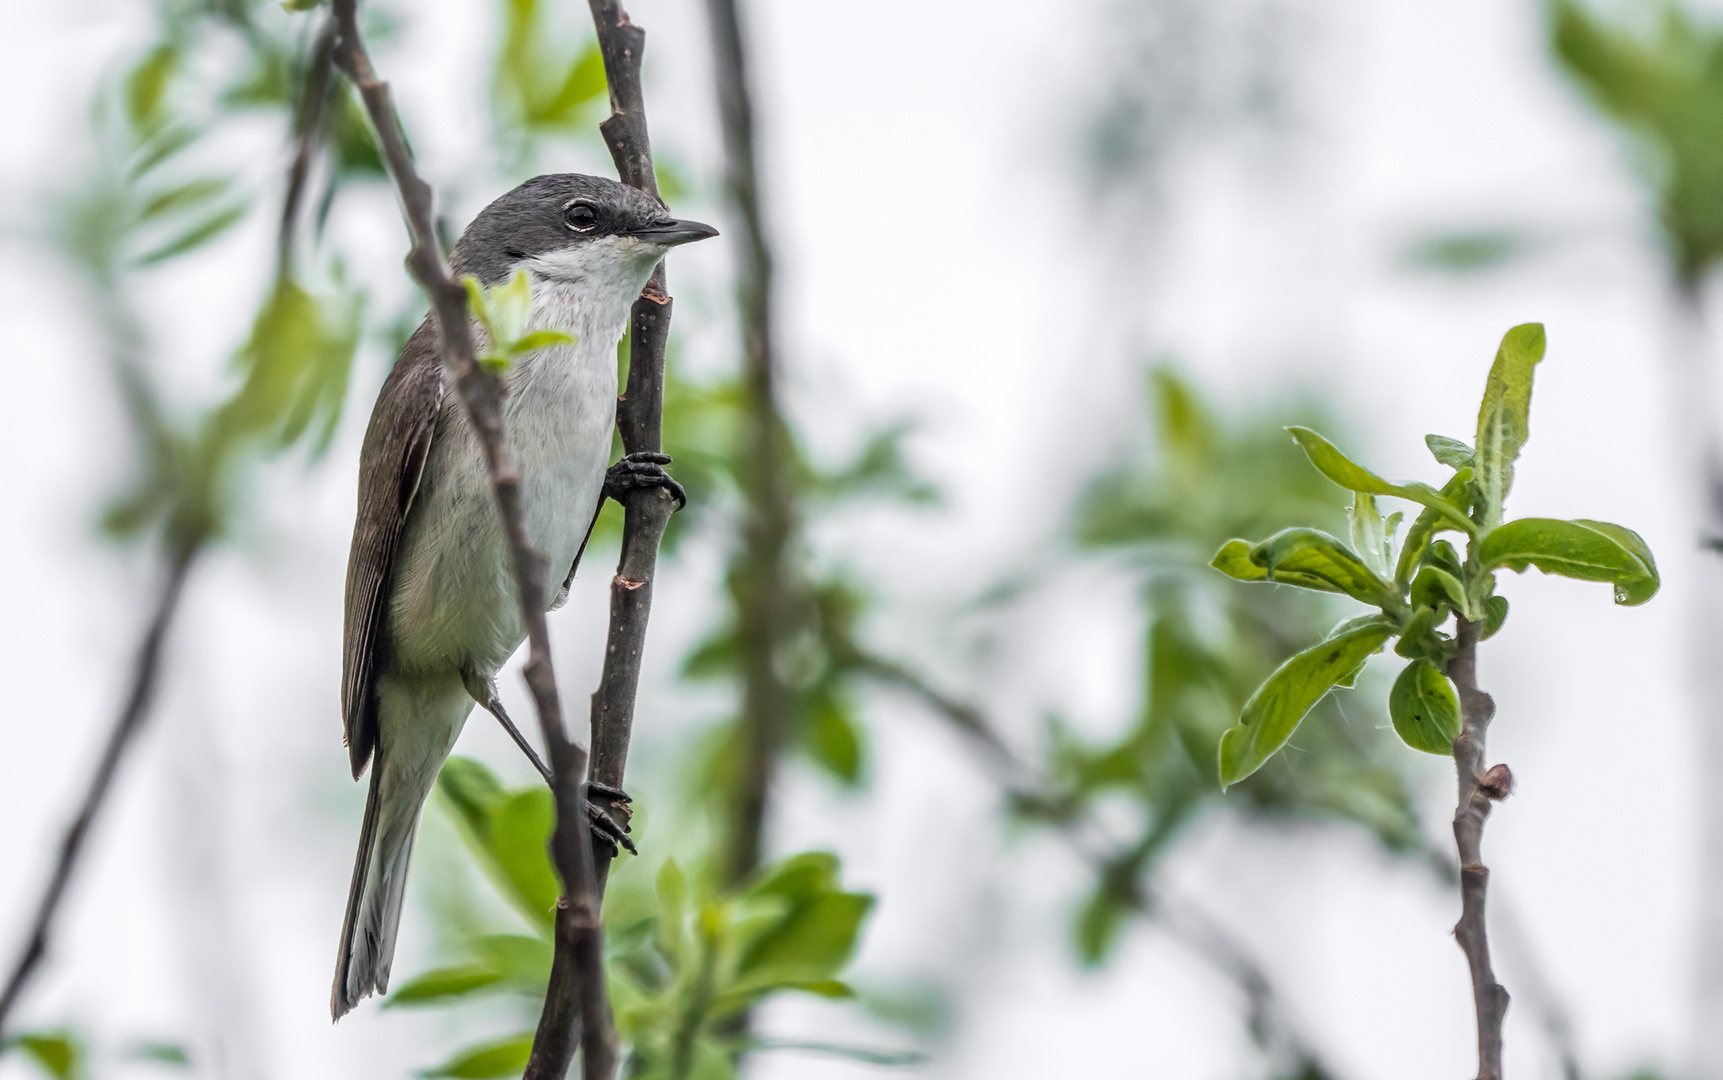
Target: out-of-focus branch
[[307, 126], [763, 580], [132, 716], [576, 999], [1270, 1021], [1478, 789]]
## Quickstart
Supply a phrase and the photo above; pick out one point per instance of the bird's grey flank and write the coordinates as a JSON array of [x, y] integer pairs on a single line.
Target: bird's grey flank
[[431, 608]]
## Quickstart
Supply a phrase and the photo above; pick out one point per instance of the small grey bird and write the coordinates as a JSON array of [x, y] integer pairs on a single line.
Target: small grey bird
[[432, 611]]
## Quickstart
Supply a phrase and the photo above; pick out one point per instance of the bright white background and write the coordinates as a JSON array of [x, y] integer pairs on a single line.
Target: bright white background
[[942, 254]]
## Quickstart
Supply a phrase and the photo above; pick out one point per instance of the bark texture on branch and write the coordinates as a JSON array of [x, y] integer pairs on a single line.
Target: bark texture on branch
[[575, 1001], [639, 421], [1479, 787]]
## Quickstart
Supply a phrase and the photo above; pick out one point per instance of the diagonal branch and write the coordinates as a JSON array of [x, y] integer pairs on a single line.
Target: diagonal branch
[[576, 998], [1271, 1021], [131, 718]]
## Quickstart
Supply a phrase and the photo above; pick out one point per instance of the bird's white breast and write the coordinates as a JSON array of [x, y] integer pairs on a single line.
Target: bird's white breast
[[454, 600]]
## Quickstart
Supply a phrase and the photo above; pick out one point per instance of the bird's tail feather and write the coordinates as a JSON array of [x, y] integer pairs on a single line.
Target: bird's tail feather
[[374, 898]]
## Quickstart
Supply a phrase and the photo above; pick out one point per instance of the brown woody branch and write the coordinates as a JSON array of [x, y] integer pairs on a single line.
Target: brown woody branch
[[639, 420], [132, 716], [575, 999], [1478, 789]]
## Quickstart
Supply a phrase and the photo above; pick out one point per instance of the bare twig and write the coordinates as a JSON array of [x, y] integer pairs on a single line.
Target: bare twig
[[1478, 788], [1537, 992], [132, 716], [1270, 1020], [763, 581], [575, 999]]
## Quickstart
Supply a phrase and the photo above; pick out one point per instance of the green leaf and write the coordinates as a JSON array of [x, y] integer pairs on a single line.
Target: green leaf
[[185, 196], [195, 236], [160, 1053], [540, 339], [1273, 713], [833, 739], [1585, 550], [520, 831], [1425, 709], [1234, 560], [1503, 418], [1311, 553], [1434, 586], [1330, 462], [1453, 453], [504, 1057], [60, 1053], [1427, 525], [443, 983], [1369, 534], [1412, 641], [1495, 614]]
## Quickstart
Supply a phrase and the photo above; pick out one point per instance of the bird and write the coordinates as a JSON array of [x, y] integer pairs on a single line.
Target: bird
[[432, 611]]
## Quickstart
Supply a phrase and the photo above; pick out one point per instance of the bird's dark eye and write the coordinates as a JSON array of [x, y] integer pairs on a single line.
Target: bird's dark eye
[[581, 217]]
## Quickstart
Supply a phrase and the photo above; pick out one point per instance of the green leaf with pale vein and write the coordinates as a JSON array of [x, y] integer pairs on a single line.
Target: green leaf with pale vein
[[1583, 550], [1330, 462], [1504, 416], [1425, 709], [1273, 713]]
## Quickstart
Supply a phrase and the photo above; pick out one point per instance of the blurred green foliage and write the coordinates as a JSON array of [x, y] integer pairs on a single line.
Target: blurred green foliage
[[684, 956], [65, 1055], [1205, 647], [1661, 80]]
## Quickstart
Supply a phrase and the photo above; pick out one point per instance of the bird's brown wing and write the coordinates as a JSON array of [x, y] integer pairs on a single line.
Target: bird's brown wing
[[396, 445]]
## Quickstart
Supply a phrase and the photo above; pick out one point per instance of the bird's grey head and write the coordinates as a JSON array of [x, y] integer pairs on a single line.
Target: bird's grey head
[[574, 229]]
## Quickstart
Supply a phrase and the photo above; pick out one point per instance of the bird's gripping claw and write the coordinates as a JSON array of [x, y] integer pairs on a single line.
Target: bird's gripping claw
[[605, 828], [643, 469]]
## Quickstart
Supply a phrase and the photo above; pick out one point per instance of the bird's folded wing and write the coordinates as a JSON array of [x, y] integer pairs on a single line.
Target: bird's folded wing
[[396, 445]]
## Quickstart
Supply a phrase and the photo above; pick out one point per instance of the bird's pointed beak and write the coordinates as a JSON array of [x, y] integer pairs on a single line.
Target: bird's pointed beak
[[673, 232]]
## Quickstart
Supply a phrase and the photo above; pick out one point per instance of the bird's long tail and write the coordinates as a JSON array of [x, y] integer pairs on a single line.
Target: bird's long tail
[[374, 899]]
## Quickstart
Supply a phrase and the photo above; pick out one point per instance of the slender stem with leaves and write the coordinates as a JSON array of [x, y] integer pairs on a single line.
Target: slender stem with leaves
[[1435, 704]]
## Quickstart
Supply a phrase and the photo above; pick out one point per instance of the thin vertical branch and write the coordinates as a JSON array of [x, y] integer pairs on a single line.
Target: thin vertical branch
[[639, 420], [1478, 789], [575, 1000], [761, 579], [144, 677]]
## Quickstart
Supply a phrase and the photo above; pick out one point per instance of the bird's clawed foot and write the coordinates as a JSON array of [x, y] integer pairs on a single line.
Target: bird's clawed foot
[[604, 827], [645, 469]]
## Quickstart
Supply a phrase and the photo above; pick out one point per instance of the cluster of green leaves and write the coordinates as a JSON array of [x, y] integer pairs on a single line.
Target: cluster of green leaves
[[1427, 582], [683, 956], [1664, 84], [1205, 647]]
